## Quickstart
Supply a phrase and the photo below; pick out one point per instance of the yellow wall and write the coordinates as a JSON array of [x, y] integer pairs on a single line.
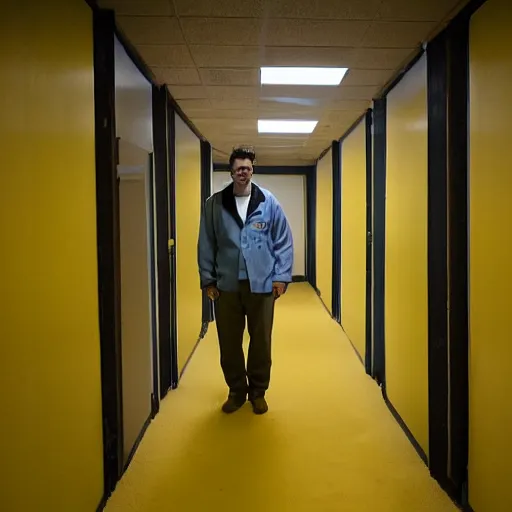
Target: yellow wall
[[51, 437], [188, 211], [324, 229], [490, 279], [406, 308], [353, 237]]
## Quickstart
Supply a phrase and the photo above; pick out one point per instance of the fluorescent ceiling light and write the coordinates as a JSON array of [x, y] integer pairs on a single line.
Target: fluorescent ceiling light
[[271, 126], [302, 76]]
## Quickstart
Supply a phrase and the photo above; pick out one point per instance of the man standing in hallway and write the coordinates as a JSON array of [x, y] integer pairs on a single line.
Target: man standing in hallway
[[245, 254]]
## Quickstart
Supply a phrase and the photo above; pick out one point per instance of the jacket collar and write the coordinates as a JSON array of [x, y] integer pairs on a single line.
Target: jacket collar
[[229, 202]]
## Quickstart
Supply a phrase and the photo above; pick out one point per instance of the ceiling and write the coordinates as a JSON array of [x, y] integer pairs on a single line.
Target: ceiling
[[209, 52]]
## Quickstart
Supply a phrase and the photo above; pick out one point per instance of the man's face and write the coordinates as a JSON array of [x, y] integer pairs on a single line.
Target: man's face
[[242, 171]]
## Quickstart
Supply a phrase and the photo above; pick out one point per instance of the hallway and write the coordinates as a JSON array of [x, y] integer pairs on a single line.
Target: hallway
[[328, 442]]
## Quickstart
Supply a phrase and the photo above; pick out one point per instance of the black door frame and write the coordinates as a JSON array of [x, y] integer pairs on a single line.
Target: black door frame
[[108, 233], [206, 190], [170, 112], [337, 159], [155, 397], [448, 343], [369, 243], [378, 367], [378, 360], [336, 228], [166, 300]]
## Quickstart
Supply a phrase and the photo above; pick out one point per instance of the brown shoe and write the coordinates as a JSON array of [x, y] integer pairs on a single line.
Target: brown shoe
[[233, 403], [259, 405]]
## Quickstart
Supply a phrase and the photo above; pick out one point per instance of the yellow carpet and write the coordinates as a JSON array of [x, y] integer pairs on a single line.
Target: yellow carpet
[[327, 444]]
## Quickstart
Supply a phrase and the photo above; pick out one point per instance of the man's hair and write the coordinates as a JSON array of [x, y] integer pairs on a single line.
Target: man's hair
[[242, 153]]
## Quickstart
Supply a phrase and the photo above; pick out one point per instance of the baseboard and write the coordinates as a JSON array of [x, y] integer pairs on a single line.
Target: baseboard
[[324, 305], [299, 279], [133, 451], [404, 427], [106, 497], [103, 504], [453, 493], [155, 406], [202, 334], [353, 347]]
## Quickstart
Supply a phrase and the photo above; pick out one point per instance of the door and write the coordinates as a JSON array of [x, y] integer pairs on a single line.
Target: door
[[137, 303]]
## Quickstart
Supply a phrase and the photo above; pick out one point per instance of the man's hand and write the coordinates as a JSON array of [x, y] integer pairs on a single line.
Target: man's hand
[[278, 289], [212, 292]]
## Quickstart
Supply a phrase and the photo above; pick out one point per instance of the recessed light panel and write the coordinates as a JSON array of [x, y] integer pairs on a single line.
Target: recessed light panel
[[273, 126], [302, 76]]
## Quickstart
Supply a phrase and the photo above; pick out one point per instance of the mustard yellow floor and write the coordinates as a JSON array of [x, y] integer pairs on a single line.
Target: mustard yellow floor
[[327, 444]]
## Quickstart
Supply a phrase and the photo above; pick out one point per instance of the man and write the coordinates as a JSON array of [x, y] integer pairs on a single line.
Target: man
[[245, 254]]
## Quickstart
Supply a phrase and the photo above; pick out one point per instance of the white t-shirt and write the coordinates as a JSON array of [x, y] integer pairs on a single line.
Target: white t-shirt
[[242, 204]]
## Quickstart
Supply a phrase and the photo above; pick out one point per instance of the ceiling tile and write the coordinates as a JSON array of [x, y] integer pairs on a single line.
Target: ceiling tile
[[166, 56], [324, 9], [207, 56], [232, 92], [138, 7], [340, 117], [177, 76], [256, 113], [247, 77], [381, 58], [230, 39], [221, 31], [307, 56], [293, 160], [334, 110], [190, 92], [433, 10], [222, 114], [151, 29], [233, 104], [308, 114], [220, 8], [298, 92], [219, 156], [239, 125], [283, 104], [362, 92], [367, 76], [401, 34], [194, 104], [312, 33]]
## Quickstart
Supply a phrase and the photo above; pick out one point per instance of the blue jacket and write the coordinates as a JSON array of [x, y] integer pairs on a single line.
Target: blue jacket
[[265, 241]]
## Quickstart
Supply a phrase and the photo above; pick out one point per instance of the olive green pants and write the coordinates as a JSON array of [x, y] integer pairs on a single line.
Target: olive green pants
[[231, 311]]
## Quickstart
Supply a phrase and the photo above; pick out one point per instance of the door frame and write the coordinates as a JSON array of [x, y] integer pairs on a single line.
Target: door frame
[[336, 227], [144, 175], [366, 118], [379, 159], [108, 236], [166, 297], [369, 243], [206, 191], [155, 398]]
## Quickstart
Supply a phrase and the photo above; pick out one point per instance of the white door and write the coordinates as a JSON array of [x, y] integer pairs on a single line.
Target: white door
[[136, 327]]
